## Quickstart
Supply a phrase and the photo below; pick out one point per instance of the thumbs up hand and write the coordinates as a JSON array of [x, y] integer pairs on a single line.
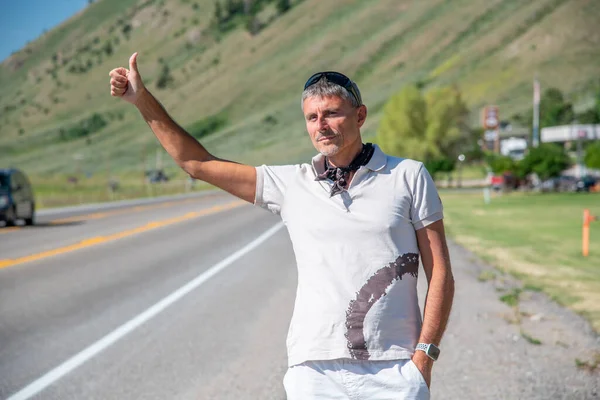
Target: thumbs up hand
[[127, 83]]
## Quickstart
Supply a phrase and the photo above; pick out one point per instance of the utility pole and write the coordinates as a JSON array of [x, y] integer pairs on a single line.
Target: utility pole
[[158, 159], [578, 134], [536, 112], [581, 135], [143, 162]]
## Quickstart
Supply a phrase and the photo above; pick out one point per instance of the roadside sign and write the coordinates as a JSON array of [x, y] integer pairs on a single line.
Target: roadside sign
[[490, 135], [490, 117]]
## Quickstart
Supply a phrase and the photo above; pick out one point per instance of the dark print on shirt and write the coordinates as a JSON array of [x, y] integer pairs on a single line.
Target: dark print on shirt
[[369, 294]]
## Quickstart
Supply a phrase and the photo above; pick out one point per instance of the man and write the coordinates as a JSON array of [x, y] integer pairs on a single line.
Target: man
[[358, 220]]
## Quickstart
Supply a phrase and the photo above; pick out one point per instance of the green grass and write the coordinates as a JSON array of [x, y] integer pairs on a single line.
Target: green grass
[[589, 365], [536, 237], [530, 339], [511, 298], [59, 191]]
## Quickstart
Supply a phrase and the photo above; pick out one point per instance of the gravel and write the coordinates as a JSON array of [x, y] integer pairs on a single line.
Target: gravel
[[494, 351]]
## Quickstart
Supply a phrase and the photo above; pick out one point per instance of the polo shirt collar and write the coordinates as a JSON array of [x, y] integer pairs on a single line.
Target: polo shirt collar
[[377, 162]]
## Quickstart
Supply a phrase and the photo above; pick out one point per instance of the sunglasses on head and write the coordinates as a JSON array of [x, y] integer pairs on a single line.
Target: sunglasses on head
[[337, 78]]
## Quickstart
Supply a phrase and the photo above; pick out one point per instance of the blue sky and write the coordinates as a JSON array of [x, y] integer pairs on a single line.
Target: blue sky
[[22, 21]]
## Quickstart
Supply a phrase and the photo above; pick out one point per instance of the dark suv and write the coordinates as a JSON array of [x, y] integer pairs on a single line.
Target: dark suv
[[16, 197]]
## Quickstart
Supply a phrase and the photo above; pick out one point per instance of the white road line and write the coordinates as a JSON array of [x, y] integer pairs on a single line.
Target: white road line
[[78, 359]]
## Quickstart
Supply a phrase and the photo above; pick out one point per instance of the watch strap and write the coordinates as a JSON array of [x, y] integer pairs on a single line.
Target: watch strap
[[422, 346], [430, 349]]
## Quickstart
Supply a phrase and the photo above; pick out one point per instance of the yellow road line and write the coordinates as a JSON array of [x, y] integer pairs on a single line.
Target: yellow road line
[[11, 229], [100, 215], [119, 235]]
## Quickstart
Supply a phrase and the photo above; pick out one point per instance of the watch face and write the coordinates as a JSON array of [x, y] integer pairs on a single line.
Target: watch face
[[433, 352]]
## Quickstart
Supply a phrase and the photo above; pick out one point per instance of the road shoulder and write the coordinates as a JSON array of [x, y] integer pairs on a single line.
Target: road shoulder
[[491, 350]]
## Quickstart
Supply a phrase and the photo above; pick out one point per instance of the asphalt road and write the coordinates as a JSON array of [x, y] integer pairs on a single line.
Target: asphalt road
[[97, 271], [191, 299]]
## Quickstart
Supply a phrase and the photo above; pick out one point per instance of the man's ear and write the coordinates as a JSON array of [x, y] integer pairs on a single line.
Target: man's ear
[[362, 115]]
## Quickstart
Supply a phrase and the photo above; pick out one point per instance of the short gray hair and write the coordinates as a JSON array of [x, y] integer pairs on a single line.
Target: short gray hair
[[324, 88]]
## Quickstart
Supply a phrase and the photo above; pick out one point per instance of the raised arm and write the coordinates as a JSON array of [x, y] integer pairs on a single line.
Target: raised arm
[[188, 153]]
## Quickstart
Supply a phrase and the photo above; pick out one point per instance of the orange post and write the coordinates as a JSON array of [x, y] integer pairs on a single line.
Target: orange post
[[587, 218], [586, 233]]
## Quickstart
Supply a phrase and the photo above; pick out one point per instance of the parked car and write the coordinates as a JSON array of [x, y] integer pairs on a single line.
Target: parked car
[[16, 197], [496, 182], [156, 176], [563, 183], [569, 184], [586, 183]]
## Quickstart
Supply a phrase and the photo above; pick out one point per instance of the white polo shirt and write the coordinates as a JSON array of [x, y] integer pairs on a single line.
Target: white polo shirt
[[356, 253]]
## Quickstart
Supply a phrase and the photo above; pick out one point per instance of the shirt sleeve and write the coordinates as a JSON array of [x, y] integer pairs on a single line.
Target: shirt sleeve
[[426, 203], [271, 184]]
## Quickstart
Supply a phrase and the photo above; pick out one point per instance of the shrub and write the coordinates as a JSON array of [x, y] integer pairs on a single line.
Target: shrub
[[126, 30], [592, 155], [108, 48], [283, 6], [164, 78], [547, 161], [83, 128], [499, 163], [208, 125], [439, 165], [270, 120]]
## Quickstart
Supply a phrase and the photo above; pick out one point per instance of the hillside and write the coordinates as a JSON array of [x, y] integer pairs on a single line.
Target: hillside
[[240, 91]]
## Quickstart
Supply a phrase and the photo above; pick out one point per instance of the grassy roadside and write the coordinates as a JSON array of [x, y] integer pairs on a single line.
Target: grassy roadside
[[537, 238], [62, 190]]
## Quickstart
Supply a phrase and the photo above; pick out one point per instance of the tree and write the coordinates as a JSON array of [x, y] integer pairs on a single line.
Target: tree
[[554, 110], [500, 164], [431, 129], [447, 129], [440, 165], [247, 7], [589, 116], [283, 6], [592, 155], [165, 78], [250, 12], [252, 24], [547, 161], [597, 103], [233, 7], [403, 125], [108, 47], [472, 149], [126, 30], [218, 13]]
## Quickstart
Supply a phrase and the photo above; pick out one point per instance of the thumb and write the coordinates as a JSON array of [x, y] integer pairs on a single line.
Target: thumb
[[133, 63]]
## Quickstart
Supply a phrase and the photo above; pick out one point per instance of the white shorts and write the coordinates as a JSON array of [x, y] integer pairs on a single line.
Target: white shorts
[[352, 379]]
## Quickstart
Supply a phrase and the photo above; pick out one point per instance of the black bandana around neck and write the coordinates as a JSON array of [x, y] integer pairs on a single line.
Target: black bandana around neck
[[339, 176]]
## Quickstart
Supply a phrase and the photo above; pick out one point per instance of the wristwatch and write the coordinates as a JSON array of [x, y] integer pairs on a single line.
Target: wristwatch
[[430, 349]]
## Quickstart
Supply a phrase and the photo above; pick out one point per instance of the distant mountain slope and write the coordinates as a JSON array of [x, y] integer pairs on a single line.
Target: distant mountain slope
[[240, 91]]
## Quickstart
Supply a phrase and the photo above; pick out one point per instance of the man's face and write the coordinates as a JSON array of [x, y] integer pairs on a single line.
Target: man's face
[[332, 123]]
